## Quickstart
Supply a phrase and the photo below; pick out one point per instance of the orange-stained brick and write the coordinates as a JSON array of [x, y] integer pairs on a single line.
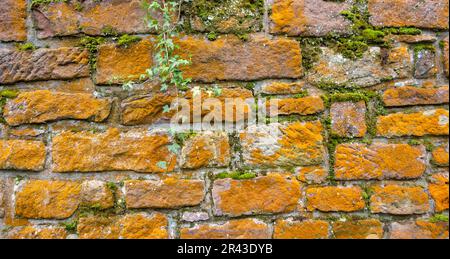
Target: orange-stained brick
[[421, 229], [30, 232], [439, 191], [283, 88], [445, 55], [348, 119], [22, 155], [96, 193], [312, 174], [233, 229], [410, 95], [13, 16], [46, 199], [399, 200], [440, 155], [358, 229], [167, 193], [299, 106], [274, 193], [379, 161], [332, 198], [308, 229], [431, 122]]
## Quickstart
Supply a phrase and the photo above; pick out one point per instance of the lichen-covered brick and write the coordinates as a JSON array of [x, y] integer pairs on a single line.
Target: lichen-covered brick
[[283, 88], [410, 95], [445, 55], [429, 122], [379, 161], [335, 198], [307, 229], [47, 199], [440, 155], [274, 193], [358, 229], [348, 119], [167, 193], [420, 229], [312, 174], [439, 191], [31, 232], [399, 200], [13, 16], [294, 106], [425, 63], [22, 154], [95, 193], [233, 229]]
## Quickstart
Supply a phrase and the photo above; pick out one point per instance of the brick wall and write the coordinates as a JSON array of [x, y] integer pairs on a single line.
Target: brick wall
[[361, 89]]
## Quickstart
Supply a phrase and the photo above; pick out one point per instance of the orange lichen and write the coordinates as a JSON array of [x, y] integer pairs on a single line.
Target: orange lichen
[[22, 154], [301, 106], [332, 198], [399, 200], [439, 191], [309, 229], [360, 229]]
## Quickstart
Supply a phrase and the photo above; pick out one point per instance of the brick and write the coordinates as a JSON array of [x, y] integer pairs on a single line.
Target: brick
[[445, 55], [47, 199], [430, 122], [283, 88], [440, 155], [312, 174], [43, 64], [96, 193], [420, 229], [308, 229], [146, 109], [309, 17], [2, 198], [236, 16], [208, 149], [359, 229], [439, 191], [30, 232], [89, 17], [43, 105], [399, 200], [379, 161], [167, 193], [330, 198], [295, 106], [348, 119], [274, 193], [425, 64], [410, 95], [116, 65], [13, 16], [233, 229], [130, 226], [26, 131], [112, 150], [292, 144], [230, 58], [22, 155], [432, 14]]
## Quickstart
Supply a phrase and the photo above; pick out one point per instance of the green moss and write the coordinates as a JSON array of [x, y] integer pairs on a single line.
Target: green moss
[[439, 218], [212, 36], [182, 137], [4, 96], [310, 51], [238, 175], [109, 31], [35, 3], [302, 94], [126, 40], [91, 44], [70, 226], [26, 47], [112, 186], [421, 47]]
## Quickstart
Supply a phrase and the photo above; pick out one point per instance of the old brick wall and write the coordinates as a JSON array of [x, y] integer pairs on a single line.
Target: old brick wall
[[362, 91]]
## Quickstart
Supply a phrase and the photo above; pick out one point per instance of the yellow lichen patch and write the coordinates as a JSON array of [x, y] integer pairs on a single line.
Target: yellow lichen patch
[[13, 14], [25, 132], [22, 155], [410, 95], [433, 122], [439, 191], [332, 198], [283, 88], [209, 149], [441, 156], [309, 229], [30, 232], [399, 200], [142, 110], [300, 106], [143, 226], [42, 199], [360, 229], [43, 105], [286, 14], [274, 193], [168, 193], [97, 227], [379, 161], [113, 150], [420, 229], [233, 229]]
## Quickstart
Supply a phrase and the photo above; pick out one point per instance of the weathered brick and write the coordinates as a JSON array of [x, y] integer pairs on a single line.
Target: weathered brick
[[22, 155], [130, 226], [308, 229], [2, 197], [46, 199], [43, 64], [43, 105], [90, 17], [438, 188], [332, 198], [420, 229], [425, 63], [309, 17], [274, 193], [283, 88], [233, 229], [137, 150], [431, 14], [440, 155], [312, 174], [96, 193], [379, 161], [348, 119], [359, 229], [293, 144], [13, 16], [30, 232], [399, 200], [26, 131], [167, 193], [230, 58], [374, 67], [117, 65], [430, 122], [410, 95], [445, 55], [299, 106], [208, 149]]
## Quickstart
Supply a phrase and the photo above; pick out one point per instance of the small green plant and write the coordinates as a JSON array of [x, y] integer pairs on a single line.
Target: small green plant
[[4, 96], [439, 218], [91, 44], [238, 175], [71, 226], [26, 46], [126, 40]]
